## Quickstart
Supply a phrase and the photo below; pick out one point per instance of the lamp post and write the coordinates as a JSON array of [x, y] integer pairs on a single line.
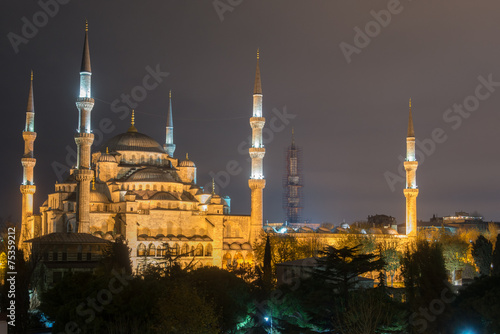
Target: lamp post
[[270, 320]]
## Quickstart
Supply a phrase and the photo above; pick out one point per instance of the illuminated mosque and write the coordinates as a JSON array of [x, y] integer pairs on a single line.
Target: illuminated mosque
[[136, 188]]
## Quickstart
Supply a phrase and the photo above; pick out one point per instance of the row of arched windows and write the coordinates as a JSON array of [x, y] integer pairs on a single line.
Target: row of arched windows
[[237, 260], [151, 160], [174, 249], [155, 187]]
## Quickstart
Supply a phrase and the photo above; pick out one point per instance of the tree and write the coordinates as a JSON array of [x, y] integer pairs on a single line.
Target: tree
[[339, 268], [482, 251], [183, 310], [267, 269], [229, 295], [495, 261], [455, 254], [116, 256], [425, 280], [372, 311], [392, 258], [477, 307]]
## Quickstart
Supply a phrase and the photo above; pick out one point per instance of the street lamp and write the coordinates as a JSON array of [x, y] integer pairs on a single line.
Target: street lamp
[[270, 320]]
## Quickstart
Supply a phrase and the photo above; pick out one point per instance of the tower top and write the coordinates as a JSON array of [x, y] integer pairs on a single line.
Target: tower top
[[258, 84], [411, 132], [31, 104], [293, 137], [213, 186], [132, 123], [170, 122], [86, 53]]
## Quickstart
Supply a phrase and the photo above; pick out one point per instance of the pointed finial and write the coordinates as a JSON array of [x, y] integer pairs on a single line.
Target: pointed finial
[[411, 132], [293, 136], [132, 122], [187, 156], [31, 104], [170, 94], [86, 53], [107, 151], [93, 183], [258, 85], [213, 186]]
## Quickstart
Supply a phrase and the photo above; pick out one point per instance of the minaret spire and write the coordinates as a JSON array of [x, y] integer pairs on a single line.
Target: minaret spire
[[257, 152], [411, 190], [411, 132], [86, 52], [28, 162], [169, 132], [84, 139], [258, 84]]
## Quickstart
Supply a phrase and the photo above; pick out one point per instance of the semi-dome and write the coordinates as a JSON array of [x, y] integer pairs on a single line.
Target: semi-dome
[[187, 162], [132, 141], [98, 197], [153, 175], [106, 157]]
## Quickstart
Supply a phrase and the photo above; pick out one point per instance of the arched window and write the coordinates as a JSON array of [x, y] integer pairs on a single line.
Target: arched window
[[208, 251], [238, 259], [185, 250], [161, 250], [141, 250], [249, 258], [147, 186], [175, 249], [152, 250], [199, 250], [226, 260]]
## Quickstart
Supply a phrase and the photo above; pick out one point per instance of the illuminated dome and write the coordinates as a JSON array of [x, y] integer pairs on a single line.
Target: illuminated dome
[[187, 162], [153, 175], [390, 231], [106, 157], [132, 141]]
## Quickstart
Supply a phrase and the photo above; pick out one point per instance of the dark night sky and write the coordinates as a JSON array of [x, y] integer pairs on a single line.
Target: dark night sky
[[351, 118]]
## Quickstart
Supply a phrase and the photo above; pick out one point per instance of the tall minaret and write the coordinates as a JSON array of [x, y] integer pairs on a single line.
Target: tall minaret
[[257, 152], [411, 191], [84, 139], [28, 161], [169, 141]]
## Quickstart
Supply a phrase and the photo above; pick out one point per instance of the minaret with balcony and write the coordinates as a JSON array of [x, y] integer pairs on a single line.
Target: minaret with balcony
[[257, 151], [411, 190], [84, 139]]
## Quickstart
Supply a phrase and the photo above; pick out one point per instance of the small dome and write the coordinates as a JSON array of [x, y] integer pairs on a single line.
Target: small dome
[[153, 175], [235, 246], [98, 197], [390, 231], [106, 157], [187, 162], [374, 230], [246, 246]]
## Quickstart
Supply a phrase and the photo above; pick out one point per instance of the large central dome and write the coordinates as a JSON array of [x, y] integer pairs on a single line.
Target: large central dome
[[132, 141]]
